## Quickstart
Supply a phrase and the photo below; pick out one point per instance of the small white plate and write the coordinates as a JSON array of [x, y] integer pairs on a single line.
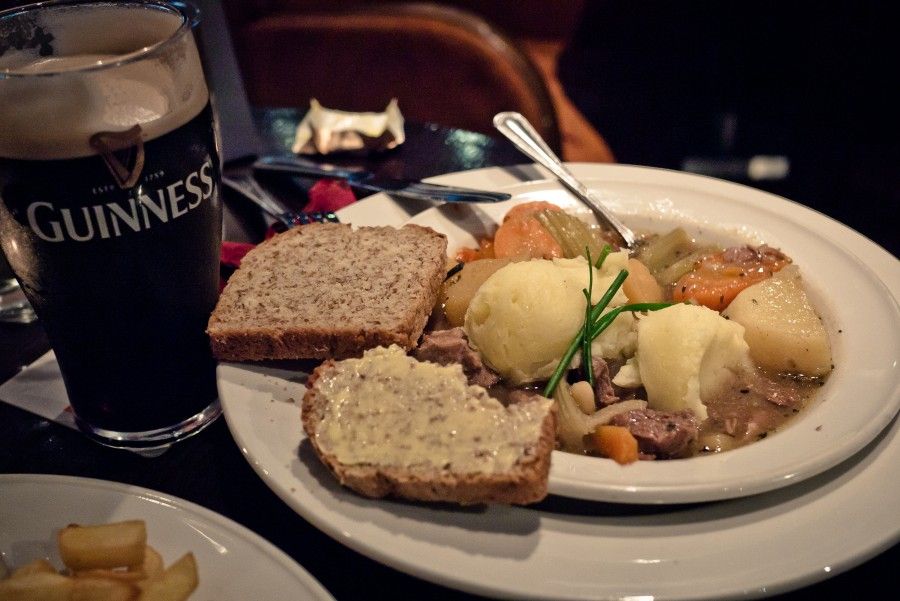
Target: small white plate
[[860, 397], [234, 564], [749, 547]]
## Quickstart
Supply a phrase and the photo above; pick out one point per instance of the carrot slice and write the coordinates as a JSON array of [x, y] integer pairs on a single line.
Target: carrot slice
[[617, 443], [528, 209], [522, 236], [719, 277], [485, 250]]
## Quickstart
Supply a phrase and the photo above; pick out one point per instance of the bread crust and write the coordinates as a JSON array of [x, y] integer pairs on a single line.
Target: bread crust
[[232, 339], [525, 483]]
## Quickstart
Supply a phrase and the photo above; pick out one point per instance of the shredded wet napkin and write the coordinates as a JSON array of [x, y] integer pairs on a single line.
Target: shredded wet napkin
[[325, 131]]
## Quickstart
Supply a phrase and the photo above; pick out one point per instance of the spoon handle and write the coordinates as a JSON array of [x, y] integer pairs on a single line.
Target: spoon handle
[[520, 132]]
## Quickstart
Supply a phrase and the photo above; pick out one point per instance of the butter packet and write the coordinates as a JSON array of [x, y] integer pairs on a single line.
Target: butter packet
[[324, 131]]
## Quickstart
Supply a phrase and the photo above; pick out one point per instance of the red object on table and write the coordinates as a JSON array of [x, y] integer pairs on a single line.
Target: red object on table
[[329, 195], [233, 252]]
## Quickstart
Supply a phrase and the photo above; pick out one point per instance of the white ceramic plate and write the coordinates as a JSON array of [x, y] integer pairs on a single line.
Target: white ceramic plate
[[566, 549], [860, 314], [569, 549], [33, 507]]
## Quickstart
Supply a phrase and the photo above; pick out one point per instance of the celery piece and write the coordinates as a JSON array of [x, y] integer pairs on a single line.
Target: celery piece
[[572, 234], [672, 273], [661, 252]]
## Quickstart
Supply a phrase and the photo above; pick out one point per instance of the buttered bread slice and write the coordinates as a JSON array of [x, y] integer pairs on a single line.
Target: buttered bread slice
[[326, 290], [387, 424]]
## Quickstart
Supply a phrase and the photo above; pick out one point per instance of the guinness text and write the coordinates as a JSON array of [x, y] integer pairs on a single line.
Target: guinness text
[[140, 211]]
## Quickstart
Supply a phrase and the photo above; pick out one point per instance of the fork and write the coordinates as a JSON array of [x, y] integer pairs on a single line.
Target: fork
[[247, 186], [524, 137]]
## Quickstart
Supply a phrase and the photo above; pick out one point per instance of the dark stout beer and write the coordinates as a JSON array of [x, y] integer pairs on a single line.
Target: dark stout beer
[[110, 216]]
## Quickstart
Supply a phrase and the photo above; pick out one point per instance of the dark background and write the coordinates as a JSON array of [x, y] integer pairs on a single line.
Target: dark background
[[813, 82], [664, 81]]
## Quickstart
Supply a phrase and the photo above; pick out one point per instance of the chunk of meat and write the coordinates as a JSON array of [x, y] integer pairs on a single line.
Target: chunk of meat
[[761, 404], [604, 393], [451, 346], [623, 394], [518, 396], [757, 424], [777, 391], [662, 434]]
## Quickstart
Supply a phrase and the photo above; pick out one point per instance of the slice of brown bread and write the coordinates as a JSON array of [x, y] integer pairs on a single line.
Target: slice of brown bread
[[326, 290], [361, 417]]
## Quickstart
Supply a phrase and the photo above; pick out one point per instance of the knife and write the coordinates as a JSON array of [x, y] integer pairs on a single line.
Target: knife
[[366, 180]]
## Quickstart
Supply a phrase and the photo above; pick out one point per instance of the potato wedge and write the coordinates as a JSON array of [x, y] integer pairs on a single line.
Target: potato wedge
[[176, 583], [37, 586], [640, 286], [103, 589], [781, 326], [153, 564], [115, 545], [34, 567], [458, 292], [119, 575]]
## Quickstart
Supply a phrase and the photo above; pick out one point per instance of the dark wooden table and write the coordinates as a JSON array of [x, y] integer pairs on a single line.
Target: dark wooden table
[[209, 469]]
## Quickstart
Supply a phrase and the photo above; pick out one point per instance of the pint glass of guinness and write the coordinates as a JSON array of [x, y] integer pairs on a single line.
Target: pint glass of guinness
[[109, 208]]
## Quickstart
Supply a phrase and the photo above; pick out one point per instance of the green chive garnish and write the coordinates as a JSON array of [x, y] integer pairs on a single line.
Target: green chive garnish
[[594, 324]]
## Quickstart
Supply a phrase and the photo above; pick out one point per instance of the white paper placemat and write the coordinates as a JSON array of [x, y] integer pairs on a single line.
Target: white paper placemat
[[39, 388]]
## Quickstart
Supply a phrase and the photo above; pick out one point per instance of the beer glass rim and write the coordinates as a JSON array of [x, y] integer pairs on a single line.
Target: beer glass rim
[[189, 13]]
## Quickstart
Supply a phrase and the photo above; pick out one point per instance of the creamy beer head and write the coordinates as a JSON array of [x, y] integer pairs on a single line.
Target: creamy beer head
[[102, 72]]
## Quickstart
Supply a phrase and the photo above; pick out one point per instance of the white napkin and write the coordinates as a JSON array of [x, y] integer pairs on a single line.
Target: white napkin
[[326, 130], [39, 389]]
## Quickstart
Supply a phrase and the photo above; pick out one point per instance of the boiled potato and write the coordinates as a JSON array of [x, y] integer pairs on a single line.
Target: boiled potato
[[37, 586], [688, 353], [781, 327], [34, 567], [176, 583], [114, 545], [153, 563], [458, 292], [523, 318], [640, 286], [102, 589]]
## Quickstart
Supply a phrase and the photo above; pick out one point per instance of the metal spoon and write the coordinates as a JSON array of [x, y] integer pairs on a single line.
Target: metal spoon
[[8, 285], [249, 188], [520, 132], [13, 306], [17, 312]]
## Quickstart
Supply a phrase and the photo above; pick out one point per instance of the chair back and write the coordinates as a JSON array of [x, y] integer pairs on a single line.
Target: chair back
[[444, 65]]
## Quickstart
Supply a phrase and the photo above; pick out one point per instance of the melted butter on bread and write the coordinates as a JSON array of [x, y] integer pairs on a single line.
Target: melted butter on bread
[[387, 408]]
